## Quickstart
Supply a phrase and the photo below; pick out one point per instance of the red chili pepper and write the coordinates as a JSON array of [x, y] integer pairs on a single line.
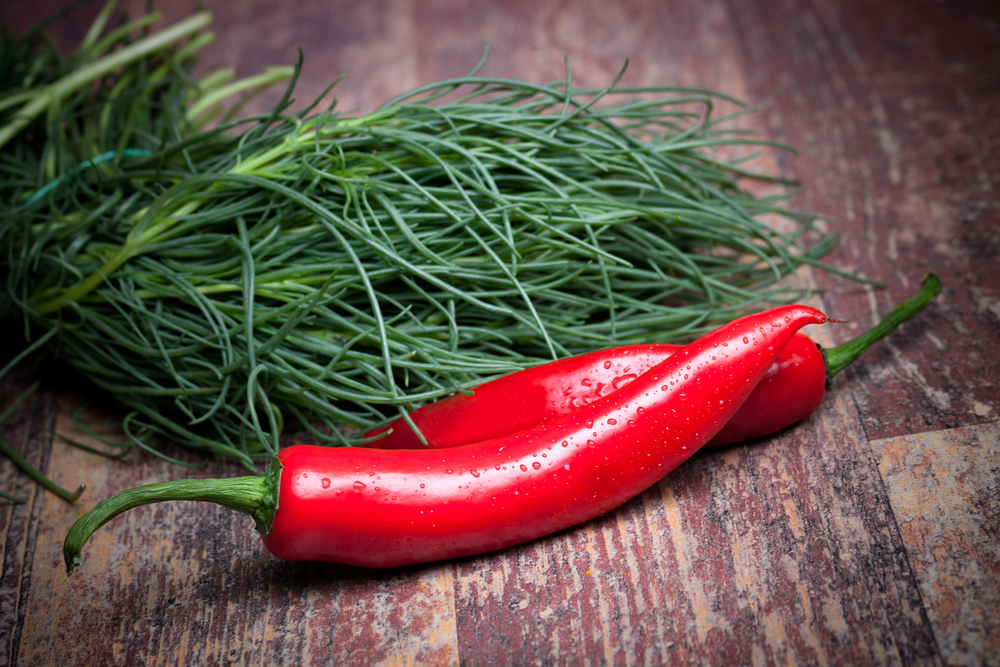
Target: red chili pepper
[[379, 508], [792, 389]]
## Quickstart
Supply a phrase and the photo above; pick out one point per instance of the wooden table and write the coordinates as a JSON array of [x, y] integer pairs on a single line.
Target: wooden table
[[869, 534]]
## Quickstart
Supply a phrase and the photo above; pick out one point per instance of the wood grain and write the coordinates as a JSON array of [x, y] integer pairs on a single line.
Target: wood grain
[[865, 535], [184, 584], [19, 524], [943, 489], [778, 552], [889, 105]]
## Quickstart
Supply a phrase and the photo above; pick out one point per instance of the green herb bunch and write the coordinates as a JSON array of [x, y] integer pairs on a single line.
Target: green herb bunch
[[225, 280]]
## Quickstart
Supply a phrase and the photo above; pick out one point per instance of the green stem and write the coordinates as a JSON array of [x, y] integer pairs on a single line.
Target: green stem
[[84, 287], [256, 496], [51, 300], [270, 76], [133, 245], [37, 476], [86, 75], [13, 99], [97, 27], [37, 343], [9, 451], [79, 445], [839, 357], [13, 499]]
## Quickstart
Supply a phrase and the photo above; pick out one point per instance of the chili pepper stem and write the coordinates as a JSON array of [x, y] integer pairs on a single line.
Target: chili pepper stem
[[838, 358], [254, 495]]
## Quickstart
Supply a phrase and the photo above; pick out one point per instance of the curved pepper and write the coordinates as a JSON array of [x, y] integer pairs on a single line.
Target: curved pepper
[[790, 391], [792, 388], [379, 508]]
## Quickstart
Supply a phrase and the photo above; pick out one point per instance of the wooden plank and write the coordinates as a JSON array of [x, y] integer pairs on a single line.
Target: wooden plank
[[943, 489], [784, 551], [26, 431], [889, 106], [788, 550], [183, 583], [680, 43]]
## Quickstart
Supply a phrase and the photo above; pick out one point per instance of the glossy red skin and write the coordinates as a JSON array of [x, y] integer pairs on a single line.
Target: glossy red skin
[[379, 508], [792, 389]]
